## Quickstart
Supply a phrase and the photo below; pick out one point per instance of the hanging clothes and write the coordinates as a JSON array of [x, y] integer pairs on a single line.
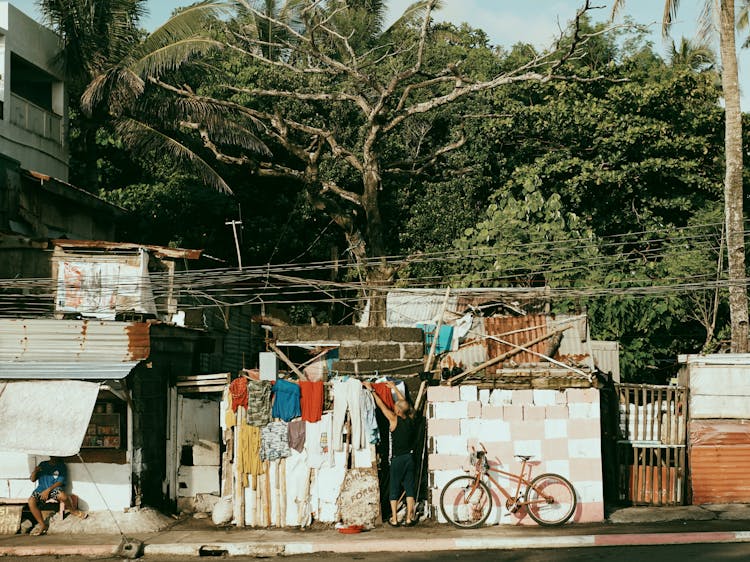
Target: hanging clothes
[[238, 390], [248, 451], [274, 441], [385, 394], [258, 403], [369, 421], [297, 435], [347, 396], [286, 400], [297, 488], [318, 442], [311, 400]]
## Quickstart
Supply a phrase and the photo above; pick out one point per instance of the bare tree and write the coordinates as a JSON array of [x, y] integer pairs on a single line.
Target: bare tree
[[379, 83]]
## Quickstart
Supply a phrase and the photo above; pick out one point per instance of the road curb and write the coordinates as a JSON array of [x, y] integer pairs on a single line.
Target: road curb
[[363, 544], [59, 550], [264, 549]]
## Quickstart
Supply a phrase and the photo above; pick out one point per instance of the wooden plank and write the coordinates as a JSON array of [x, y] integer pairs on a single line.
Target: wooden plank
[[215, 376], [670, 479], [200, 389], [659, 406], [637, 435], [670, 414], [286, 360], [636, 471], [660, 467]]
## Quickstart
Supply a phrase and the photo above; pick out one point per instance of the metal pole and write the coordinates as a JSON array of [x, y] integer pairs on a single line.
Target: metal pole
[[236, 240]]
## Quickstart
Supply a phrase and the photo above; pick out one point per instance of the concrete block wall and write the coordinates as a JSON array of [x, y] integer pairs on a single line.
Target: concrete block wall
[[363, 350], [560, 428]]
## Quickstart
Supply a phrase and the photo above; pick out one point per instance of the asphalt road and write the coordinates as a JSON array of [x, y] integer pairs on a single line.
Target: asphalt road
[[732, 552]]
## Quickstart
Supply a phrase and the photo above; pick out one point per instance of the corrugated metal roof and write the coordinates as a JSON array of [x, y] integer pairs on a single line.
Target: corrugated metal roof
[[407, 307], [88, 370], [516, 330], [573, 348], [606, 355], [467, 356], [43, 340]]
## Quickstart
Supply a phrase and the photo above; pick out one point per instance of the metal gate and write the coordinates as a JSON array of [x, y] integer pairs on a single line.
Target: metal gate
[[651, 445]]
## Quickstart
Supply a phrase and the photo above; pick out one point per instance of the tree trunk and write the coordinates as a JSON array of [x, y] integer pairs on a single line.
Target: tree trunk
[[733, 198], [379, 275]]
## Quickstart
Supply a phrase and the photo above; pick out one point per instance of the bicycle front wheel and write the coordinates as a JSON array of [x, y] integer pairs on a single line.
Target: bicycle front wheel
[[466, 502], [550, 500]]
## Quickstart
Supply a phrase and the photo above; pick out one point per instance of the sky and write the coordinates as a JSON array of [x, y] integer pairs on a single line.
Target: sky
[[509, 21]]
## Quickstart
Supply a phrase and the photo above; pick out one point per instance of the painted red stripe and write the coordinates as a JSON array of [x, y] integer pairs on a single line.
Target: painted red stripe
[[662, 538]]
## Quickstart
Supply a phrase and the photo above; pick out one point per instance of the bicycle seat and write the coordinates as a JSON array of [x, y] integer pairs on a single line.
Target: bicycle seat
[[523, 457]]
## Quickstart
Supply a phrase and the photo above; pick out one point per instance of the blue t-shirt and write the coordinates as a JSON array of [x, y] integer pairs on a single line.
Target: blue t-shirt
[[50, 474]]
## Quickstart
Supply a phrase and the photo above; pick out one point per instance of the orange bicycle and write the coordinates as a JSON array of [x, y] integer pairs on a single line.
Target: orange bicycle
[[466, 501]]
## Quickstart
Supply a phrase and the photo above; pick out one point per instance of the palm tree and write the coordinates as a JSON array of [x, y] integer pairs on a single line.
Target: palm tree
[[91, 33], [150, 121], [733, 196], [695, 56]]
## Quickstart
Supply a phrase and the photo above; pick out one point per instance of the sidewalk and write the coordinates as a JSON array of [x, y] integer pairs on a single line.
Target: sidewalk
[[666, 526]]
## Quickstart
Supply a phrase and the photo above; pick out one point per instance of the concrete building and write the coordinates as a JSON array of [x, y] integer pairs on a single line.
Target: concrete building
[[33, 100]]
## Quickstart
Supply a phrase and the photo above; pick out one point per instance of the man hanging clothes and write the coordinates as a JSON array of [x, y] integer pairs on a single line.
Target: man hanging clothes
[[403, 433]]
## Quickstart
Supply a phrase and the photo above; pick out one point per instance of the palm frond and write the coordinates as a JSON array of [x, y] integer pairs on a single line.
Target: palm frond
[[156, 62], [414, 11], [617, 5], [190, 22], [141, 137], [119, 86]]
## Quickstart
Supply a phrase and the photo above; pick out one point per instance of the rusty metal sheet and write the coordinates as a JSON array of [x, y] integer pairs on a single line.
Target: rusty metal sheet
[[719, 474], [719, 457], [158, 251], [45, 340], [719, 432], [516, 330]]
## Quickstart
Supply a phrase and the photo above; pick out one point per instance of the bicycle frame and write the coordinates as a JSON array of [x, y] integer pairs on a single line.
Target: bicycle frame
[[519, 478]]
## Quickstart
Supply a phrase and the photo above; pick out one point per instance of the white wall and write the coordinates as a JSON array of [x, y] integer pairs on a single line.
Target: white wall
[[719, 389], [112, 480]]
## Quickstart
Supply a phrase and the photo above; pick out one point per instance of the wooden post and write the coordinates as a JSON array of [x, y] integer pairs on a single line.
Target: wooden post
[[431, 356], [286, 360], [267, 493], [239, 489], [282, 485]]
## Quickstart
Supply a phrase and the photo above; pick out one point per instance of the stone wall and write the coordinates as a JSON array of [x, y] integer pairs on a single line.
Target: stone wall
[[363, 351], [560, 428]]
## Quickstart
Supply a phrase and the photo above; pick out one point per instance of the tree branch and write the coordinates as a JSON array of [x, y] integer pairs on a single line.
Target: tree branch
[[343, 193], [425, 162], [320, 96]]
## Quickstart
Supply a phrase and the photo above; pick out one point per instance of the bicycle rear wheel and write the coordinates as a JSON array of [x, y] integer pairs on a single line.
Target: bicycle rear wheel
[[550, 500], [466, 502]]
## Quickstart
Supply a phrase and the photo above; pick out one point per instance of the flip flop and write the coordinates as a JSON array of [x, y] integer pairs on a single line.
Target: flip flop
[[410, 523], [38, 531], [392, 524]]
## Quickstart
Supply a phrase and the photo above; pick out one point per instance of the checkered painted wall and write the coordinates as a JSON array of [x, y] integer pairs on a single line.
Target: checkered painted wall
[[560, 428]]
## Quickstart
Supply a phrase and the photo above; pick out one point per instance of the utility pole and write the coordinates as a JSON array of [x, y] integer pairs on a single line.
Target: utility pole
[[236, 240]]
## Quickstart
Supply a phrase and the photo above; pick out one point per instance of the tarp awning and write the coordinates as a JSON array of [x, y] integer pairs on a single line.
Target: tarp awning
[[45, 417], [88, 370]]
